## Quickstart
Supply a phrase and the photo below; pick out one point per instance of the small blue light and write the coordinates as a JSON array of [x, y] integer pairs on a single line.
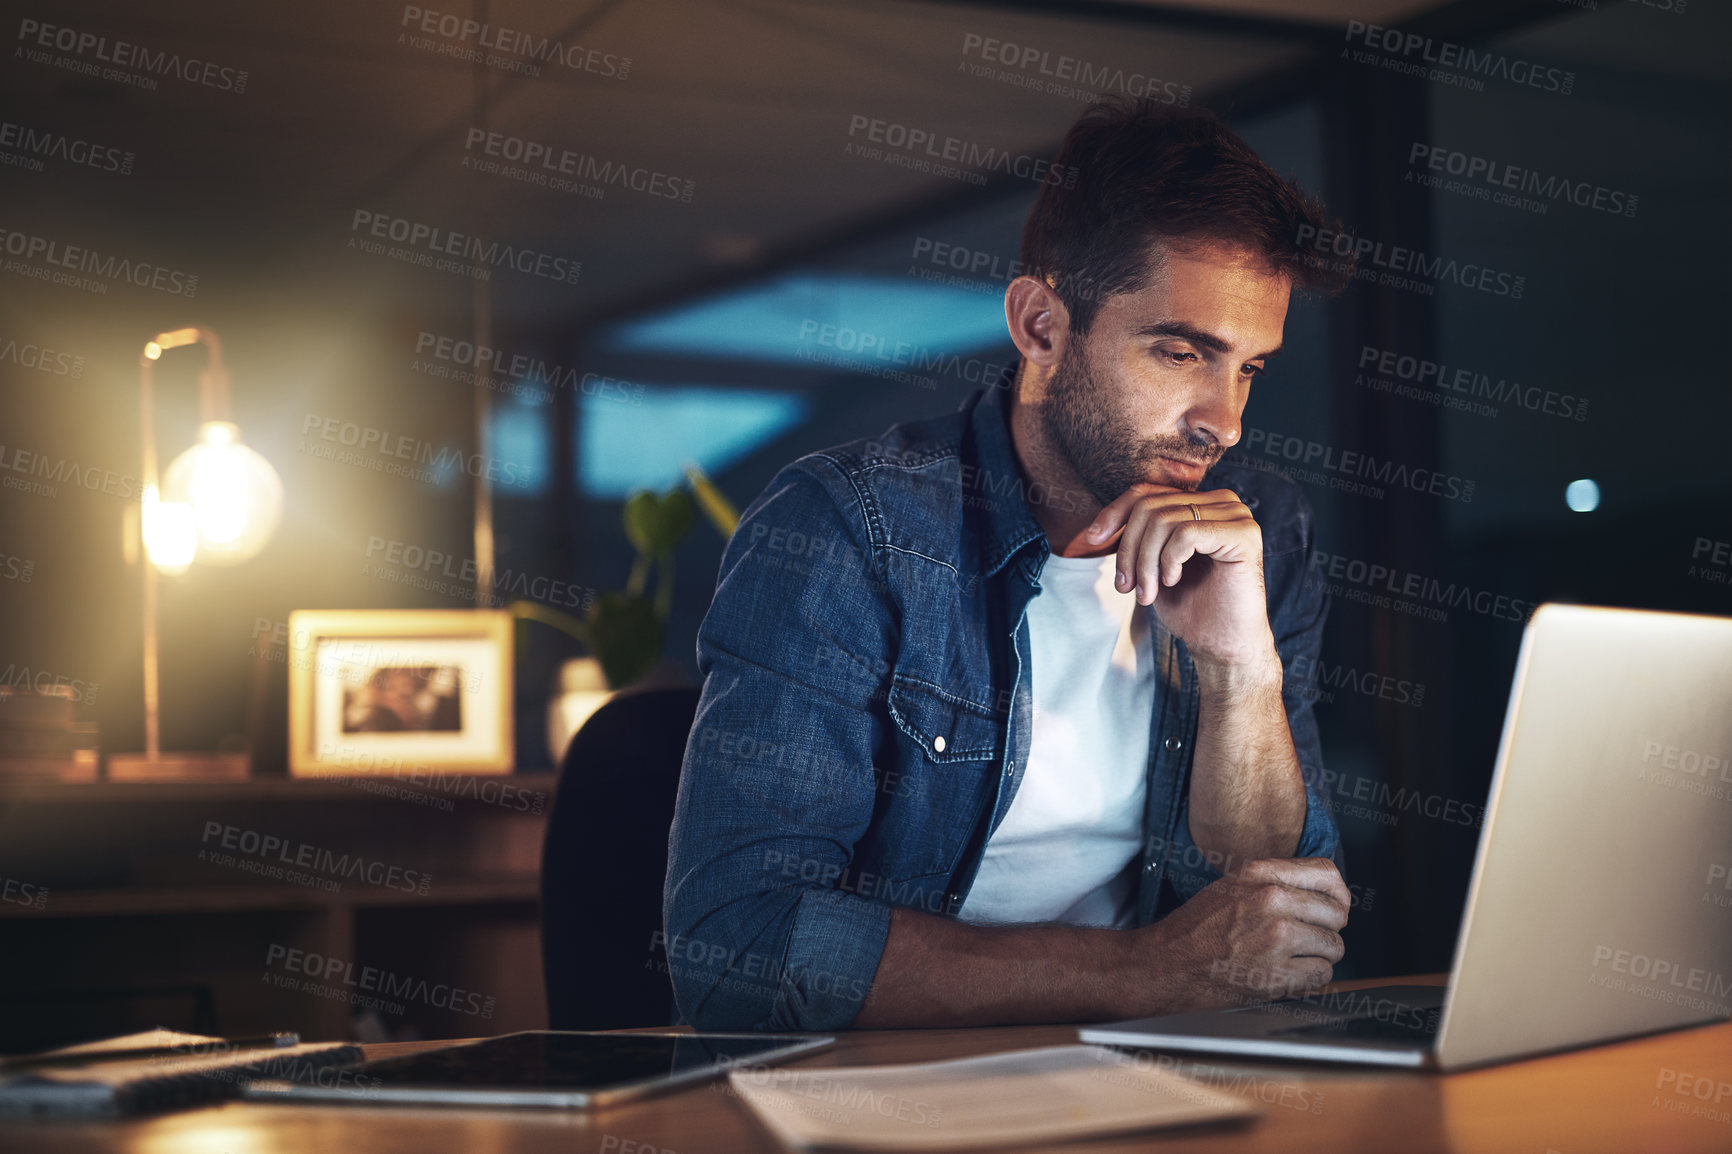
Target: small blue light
[[1582, 496]]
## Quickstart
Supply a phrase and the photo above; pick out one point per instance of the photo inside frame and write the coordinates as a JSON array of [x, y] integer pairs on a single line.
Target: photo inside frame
[[405, 698], [403, 701]]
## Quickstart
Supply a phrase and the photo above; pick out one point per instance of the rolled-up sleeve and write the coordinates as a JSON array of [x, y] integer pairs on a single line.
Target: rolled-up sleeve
[[1298, 621], [1298, 607], [778, 784]]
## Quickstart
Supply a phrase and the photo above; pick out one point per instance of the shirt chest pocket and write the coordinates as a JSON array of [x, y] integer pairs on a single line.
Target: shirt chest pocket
[[944, 727]]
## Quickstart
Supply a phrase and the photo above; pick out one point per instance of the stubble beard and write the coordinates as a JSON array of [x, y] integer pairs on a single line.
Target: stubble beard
[[1087, 424]]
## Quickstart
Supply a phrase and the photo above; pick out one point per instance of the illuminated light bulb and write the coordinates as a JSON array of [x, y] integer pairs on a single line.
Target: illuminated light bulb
[[235, 496], [170, 533]]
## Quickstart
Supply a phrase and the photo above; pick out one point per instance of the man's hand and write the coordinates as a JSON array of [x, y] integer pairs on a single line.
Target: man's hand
[[1270, 929], [1201, 570]]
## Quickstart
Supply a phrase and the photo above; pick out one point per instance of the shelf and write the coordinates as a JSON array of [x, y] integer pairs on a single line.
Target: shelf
[[517, 790], [250, 899]]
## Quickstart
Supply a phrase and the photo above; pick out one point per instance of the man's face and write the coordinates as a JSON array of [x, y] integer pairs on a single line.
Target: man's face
[[1154, 392]]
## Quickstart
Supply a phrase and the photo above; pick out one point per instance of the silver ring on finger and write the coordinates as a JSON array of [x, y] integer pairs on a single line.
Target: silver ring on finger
[[1195, 516]]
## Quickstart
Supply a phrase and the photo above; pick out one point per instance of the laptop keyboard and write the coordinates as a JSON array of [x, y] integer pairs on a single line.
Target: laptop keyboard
[[1414, 1028]]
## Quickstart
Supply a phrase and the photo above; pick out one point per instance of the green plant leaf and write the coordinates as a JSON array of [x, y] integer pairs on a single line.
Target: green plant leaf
[[653, 524], [626, 636], [641, 515], [677, 517]]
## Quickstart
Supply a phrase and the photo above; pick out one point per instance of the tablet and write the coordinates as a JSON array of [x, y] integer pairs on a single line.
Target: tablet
[[540, 1068]]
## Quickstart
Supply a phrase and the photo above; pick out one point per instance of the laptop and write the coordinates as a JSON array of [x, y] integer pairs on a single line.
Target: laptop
[[1601, 900]]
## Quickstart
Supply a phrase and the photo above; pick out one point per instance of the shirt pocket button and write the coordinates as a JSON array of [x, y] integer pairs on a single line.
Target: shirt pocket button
[[944, 728]]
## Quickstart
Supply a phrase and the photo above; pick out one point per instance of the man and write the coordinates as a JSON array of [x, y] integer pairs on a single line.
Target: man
[[994, 726]]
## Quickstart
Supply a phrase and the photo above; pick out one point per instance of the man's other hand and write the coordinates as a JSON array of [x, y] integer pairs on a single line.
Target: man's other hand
[[1271, 929]]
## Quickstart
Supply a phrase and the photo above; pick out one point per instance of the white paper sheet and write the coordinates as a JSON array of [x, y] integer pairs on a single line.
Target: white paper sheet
[[1025, 1096]]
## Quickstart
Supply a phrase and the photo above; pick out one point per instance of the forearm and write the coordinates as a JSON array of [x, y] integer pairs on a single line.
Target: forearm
[[1247, 798], [939, 972]]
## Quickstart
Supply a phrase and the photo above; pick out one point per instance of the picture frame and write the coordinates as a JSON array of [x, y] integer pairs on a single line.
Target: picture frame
[[397, 692]]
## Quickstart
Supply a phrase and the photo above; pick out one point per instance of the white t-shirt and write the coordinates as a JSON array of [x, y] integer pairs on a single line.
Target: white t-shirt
[[1068, 849]]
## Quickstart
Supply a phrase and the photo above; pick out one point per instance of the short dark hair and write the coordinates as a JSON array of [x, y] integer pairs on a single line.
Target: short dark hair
[[1147, 171]]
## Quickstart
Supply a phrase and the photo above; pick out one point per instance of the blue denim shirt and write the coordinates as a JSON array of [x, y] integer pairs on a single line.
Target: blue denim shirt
[[865, 717]]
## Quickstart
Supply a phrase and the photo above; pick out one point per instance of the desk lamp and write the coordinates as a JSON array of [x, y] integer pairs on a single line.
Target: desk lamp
[[218, 503]]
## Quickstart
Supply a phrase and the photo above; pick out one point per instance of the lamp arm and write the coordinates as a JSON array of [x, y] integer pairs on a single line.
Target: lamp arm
[[213, 381]]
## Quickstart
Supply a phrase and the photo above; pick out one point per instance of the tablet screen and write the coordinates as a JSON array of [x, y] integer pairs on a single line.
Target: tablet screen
[[553, 1060]]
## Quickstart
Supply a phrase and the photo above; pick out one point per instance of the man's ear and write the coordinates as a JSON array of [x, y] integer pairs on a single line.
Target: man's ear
[[1038, 321]]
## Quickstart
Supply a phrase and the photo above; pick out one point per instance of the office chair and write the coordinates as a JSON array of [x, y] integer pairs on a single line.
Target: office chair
[[605, 858]]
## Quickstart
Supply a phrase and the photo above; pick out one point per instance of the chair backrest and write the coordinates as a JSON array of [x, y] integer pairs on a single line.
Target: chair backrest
[[605, 858]]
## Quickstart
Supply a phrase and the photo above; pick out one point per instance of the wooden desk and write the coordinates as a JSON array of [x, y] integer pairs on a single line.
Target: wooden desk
[[1603, 1099]]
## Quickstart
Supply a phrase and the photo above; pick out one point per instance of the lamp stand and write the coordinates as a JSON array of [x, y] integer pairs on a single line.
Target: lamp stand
[[153, 764]]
